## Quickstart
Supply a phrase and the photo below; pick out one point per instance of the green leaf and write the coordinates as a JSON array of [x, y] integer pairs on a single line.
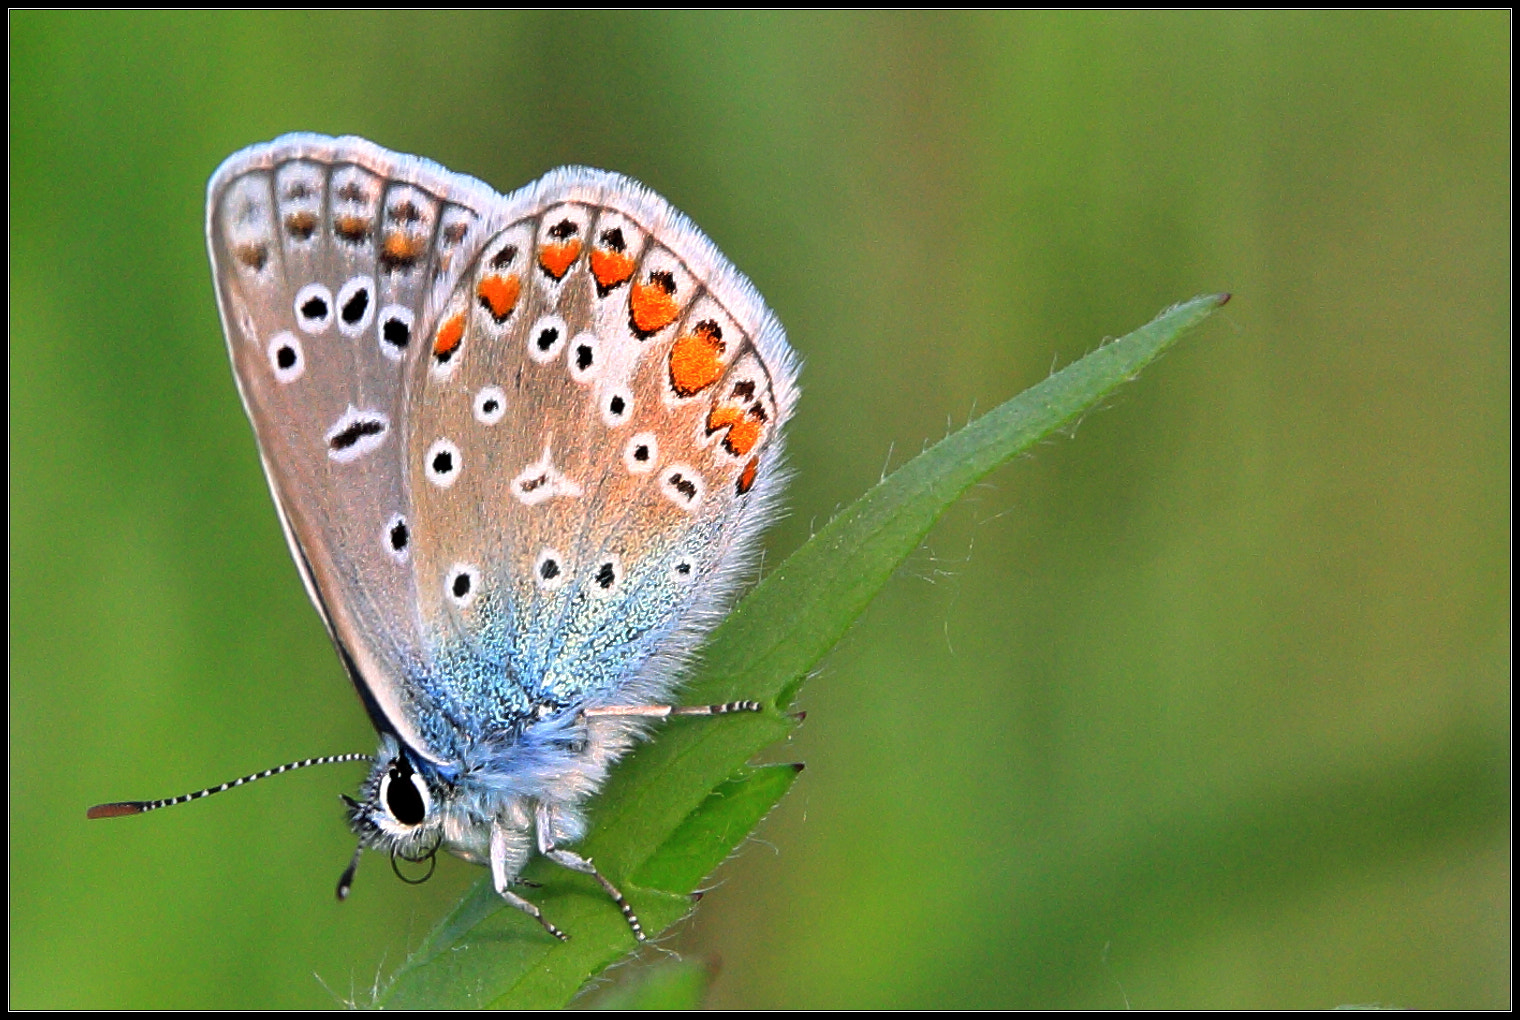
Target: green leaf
[[676, 807], [705, 838], [481, 953], [678, 985], [489, 955]]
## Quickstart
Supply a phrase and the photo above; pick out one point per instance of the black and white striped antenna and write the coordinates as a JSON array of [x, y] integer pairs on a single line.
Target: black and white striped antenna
[[137, 807]]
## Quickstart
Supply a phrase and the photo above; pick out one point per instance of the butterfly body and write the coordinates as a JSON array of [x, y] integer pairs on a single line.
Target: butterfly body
[[522, 448]]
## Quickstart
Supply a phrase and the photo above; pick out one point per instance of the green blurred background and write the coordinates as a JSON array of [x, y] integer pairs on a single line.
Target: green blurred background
[[1206, 706]]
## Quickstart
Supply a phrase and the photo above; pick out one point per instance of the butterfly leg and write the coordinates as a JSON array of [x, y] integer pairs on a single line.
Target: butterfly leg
[[665, 711], [506, 859], [575, 862]]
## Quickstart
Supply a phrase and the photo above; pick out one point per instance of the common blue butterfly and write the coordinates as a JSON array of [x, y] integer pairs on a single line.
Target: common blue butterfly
[[522, 447]]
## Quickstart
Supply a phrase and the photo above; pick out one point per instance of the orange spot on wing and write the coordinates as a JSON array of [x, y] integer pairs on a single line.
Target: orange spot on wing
[[652, 306], [747, 476], [744, 427], [498, 295], [557, 258], [252, 255], [695, 359], [449, 336], [401, 249], [610, 267], [301, 225], [351, 228], [724, 416]]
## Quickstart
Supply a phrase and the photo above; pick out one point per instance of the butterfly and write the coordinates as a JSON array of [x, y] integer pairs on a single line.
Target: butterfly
[[522, 448]]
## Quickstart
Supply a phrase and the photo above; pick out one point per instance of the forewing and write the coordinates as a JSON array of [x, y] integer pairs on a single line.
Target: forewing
[[331, 257]]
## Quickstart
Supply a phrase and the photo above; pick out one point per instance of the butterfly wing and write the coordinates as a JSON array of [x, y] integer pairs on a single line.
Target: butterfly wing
[[596, 428], [521, 446], [329, 257]]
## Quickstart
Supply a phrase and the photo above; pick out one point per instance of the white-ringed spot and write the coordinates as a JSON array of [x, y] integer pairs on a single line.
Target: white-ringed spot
[[441, 464], [490, 405], [462, 584], [549, 570], [584, 357], [642, 454], [356, 305], [607, 578], [286, 358], [546, 339], [616, 406], [682, 486], [356, 433], [395, 330], [397, 539], [683, 570], [314, 308]]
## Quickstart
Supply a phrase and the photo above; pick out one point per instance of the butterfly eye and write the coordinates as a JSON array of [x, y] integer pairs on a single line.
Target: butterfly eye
[[404, 793]]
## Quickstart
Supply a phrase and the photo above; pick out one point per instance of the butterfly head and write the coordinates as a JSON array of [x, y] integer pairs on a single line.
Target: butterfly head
[[400, 808]]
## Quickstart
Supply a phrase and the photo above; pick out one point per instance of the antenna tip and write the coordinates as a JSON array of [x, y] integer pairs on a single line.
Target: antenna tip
[[126, 807], [346, 880]]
